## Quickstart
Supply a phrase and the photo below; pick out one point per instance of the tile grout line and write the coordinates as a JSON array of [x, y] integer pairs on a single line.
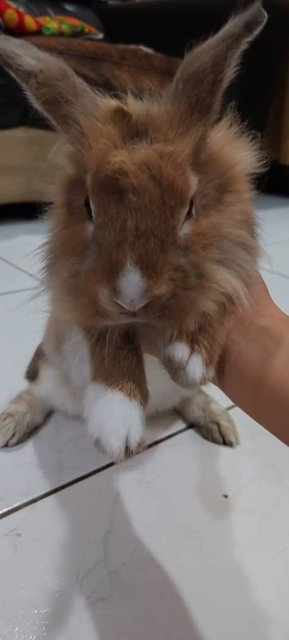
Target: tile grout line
[[70, 483], [85, 476], [15, 266], [274, 273], [8, 293], [27, 503]]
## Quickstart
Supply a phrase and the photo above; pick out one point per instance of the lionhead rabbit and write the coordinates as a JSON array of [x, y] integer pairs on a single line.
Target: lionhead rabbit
[[152, 224]]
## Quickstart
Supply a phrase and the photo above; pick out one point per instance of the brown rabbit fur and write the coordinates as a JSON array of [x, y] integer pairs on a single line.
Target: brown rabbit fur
[[152, 221]]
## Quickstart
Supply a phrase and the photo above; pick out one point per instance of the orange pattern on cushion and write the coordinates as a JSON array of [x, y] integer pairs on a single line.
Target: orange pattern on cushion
[[20, 22]]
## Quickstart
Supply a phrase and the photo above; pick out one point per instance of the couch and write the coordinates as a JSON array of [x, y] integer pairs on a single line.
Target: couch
[[29, 154]]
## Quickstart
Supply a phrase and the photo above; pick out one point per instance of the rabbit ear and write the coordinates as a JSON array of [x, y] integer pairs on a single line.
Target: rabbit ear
[[49, 83], [206, 71]]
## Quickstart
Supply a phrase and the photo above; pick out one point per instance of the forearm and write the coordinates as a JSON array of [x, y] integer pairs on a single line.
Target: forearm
[[253, 370]]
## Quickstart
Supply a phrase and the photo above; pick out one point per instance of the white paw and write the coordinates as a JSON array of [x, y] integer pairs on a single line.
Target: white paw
[[114, 421], [185, 367]]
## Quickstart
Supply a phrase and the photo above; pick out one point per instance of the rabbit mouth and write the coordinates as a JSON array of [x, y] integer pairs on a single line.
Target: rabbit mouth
[[135, 318], [129, 318]]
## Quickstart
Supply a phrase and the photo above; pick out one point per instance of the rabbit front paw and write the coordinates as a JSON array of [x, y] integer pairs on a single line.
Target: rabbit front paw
[[187, 367], [115, 422], [211, 420]]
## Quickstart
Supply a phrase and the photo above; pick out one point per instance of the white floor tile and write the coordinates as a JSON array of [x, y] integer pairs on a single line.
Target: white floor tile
[[11, 279], [20, 242], [22, 318], [276, 258], [186, 541], [216, 393], [273, 217], [279, 289], [56, 455]]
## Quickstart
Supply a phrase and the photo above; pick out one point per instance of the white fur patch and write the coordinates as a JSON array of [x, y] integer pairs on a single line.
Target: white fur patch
[[51, 387], [131, 288], [192, 364], [179, 352], [164, 393], [75, 362], [113, 420], [196, 369]]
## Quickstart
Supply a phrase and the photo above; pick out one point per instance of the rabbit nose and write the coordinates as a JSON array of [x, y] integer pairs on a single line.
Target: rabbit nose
[[131, 289]]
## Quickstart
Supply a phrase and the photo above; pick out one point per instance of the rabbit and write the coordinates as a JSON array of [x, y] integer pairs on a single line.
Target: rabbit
[[152, 224]]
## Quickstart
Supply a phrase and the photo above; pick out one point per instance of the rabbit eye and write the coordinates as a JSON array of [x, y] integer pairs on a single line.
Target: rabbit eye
[[191, 211], [88, 208], [189, 215]]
